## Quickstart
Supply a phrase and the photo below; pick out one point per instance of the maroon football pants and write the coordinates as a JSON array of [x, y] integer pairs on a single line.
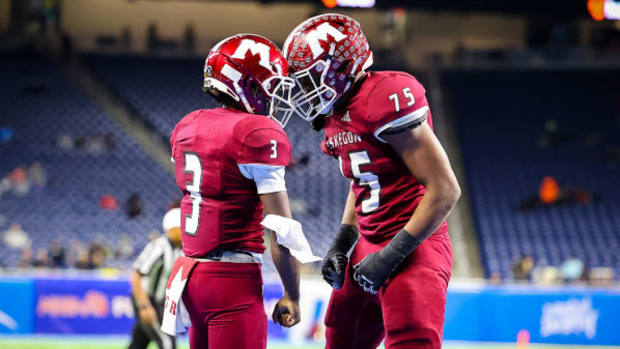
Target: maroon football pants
[[408, 311], [225, 303]]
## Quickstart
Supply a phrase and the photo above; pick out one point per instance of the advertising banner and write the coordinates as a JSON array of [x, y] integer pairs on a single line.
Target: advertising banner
[[561, 315], [16, 305], [82, 306]]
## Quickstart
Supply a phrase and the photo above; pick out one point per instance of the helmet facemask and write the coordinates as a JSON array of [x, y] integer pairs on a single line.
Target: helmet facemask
[[280, 90], [314, 97]]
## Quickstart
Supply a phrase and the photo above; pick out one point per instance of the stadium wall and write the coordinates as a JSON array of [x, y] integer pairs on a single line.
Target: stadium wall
[[5, 15], [424, 32], [99, 305]]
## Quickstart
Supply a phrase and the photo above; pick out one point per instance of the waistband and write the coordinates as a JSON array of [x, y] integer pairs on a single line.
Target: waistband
[[236, 256]]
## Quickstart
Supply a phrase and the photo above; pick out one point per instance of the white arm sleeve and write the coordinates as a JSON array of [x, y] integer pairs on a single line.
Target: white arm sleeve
[[268, 178]]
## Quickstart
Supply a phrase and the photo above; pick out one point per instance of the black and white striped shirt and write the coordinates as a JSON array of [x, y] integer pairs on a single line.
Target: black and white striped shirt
[[155, 262]]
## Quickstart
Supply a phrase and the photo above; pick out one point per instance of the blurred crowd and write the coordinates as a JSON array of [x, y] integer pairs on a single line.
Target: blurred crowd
[[573, 271], [95, 254], [23, 178], [91, 144], [133, 206]]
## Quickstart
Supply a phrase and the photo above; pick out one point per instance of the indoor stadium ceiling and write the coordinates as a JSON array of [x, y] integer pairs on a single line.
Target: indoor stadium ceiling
[[554, 8]]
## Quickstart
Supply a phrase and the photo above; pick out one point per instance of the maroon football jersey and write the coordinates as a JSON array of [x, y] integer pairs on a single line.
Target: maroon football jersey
[[386, 192], [221, 207]]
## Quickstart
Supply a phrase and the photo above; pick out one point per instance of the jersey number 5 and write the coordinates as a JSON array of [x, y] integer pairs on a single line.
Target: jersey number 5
[[193, 166], [408, 95], [358, 159]]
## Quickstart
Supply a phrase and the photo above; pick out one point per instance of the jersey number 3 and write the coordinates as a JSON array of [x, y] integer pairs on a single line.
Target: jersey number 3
[[193, 166]]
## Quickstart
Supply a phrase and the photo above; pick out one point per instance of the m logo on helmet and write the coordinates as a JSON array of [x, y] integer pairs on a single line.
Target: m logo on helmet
[[256, 48], [320, 33]]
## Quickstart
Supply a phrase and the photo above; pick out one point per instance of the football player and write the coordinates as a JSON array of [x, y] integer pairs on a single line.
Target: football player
[[379, 127], [230, 164]]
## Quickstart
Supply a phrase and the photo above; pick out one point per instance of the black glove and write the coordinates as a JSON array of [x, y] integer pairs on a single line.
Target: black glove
[[372, 271], [335, 261]]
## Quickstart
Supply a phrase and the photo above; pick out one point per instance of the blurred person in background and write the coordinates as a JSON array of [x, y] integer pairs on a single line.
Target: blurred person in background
[[96, 256], [546, 275], [573, 270], [551, 193], [230, 165], [108, 202], [16, 181], [42, 259], [148, 284], [26, 260], [57, 254], [37, 174], [16, 237], [124, 247], [65, 142], [522, 268], [134, 205], [378, 125], [20, 181], [75, 252], [83, 260]]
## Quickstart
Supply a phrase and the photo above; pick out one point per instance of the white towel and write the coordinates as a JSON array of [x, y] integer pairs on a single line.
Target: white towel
[[176, 317], [290, 235]]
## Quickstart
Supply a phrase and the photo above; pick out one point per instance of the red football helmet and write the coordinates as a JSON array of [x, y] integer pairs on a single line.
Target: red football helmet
[[325, 54], [252, 71]]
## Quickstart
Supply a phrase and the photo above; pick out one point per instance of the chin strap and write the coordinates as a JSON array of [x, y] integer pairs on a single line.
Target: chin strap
[[245, 102], [351, 78]]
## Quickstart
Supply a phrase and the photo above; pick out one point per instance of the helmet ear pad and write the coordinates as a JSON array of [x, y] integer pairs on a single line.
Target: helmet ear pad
[[255, 95], [223, 99]]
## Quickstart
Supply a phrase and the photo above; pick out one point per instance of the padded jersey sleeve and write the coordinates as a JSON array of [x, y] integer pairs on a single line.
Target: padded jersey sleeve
[[396, 103], [172, 142], [265, 151], [183, 131], [268, 146]]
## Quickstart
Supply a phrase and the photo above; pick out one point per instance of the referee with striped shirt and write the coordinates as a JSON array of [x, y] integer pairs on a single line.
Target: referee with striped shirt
[[148, 284]]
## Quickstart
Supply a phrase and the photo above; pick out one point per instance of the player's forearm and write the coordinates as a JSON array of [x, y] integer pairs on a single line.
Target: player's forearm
[[432, 210], [349, 217], [138, 292], [288, 268]]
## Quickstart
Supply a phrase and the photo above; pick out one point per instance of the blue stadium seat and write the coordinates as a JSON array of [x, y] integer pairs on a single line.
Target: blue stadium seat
[[501, 116]]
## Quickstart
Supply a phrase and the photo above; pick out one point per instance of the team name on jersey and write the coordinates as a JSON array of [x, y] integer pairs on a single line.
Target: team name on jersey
[[342, 138]]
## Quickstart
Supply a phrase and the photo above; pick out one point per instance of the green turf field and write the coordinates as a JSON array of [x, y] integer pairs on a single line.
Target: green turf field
[[60, 343]]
